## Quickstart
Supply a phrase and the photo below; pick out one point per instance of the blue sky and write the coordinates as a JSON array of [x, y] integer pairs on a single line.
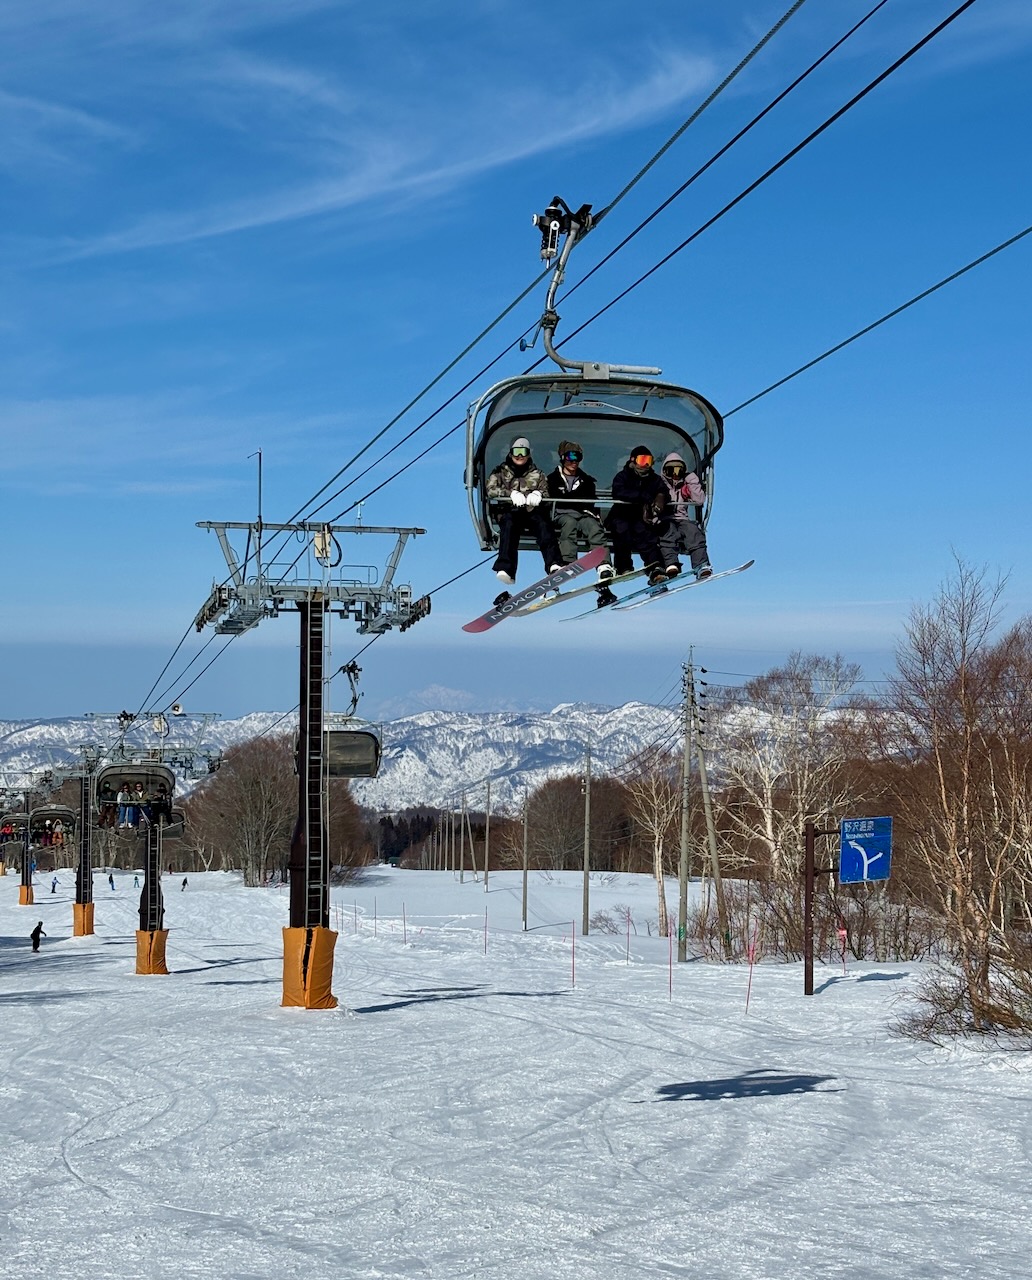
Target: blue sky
[[232, 226]]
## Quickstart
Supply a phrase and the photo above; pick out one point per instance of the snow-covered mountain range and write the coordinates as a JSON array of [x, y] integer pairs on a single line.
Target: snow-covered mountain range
[[427, 758]]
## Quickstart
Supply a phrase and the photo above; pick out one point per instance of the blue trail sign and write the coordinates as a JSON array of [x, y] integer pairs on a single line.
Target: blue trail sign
[[865, 849]]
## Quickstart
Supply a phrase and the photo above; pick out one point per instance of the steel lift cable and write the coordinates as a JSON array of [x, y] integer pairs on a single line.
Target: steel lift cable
[[774, 168], [627, 239], [728, 79], [889, 315], [789, 155], [699, 231]]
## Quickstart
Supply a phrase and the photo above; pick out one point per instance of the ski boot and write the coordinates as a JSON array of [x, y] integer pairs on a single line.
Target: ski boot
[[605, 596]]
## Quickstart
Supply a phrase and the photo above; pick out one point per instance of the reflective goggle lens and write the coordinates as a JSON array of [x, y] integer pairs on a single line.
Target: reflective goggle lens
[[675, 472], [643, 459], [571, 455], [519, 453]]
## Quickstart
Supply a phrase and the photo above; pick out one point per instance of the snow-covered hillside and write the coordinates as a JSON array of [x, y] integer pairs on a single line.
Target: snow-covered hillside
[[486, 1103], [427, 757]]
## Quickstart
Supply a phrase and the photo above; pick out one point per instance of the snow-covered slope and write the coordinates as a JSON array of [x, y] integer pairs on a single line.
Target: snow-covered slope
[[480, 1107]]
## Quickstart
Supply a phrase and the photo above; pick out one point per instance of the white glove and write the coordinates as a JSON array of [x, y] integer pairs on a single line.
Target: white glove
[[533, 498], [518, 499]]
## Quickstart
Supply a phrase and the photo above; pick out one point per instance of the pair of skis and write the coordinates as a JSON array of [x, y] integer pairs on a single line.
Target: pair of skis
[[546, 592]]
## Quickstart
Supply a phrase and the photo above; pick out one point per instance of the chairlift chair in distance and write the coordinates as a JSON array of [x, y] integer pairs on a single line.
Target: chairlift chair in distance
[[41, 814], [608, 409], [351, 749], [152, 774], [353, 752]]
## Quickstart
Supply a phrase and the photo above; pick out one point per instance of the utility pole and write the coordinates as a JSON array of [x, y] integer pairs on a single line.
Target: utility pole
[[462, 839], [682, 865], [526, 846], [587, 837], [487, 834], [707, 808]]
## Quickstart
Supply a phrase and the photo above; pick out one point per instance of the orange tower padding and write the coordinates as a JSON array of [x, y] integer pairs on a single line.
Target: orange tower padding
[[308, 968], [3, 868], [82, 919], [150, 951], [25, 898]]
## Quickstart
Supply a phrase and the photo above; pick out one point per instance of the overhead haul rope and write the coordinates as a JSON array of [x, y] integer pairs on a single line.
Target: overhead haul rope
[[699, 231], [774, 168], [507, 310], [789, 155], [640, 227], [725, 148], [700, 109], [889, 315], [731, 76]]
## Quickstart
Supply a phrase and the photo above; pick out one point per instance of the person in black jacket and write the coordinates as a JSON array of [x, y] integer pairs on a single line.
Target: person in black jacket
[[640, 498], [35, 935], [576, 519]]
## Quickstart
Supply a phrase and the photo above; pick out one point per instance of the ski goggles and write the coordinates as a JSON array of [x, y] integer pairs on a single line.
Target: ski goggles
[[571, 455], [675, 470], [520, 452], [643, 459]]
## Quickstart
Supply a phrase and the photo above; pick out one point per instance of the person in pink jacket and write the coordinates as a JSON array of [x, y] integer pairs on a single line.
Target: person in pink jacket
[[681, 534]]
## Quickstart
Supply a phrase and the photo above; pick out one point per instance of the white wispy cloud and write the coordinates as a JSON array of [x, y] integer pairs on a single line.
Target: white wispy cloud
[[397, 151]]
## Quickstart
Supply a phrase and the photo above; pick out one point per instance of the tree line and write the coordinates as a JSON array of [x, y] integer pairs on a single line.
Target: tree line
[[945, 749]]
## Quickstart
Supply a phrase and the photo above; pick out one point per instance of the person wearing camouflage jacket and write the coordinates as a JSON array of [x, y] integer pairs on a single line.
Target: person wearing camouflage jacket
[[517, 486]]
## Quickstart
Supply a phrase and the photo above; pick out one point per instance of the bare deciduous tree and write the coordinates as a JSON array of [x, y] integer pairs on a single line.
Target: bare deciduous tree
[[654, 785], [781, 753], [955, 749]]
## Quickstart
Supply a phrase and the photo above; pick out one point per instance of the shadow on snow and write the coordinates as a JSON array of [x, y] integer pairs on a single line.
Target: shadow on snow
[[751, 1084], [434, 995]]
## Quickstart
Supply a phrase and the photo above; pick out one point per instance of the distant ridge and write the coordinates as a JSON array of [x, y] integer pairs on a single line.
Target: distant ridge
[[427, 758]]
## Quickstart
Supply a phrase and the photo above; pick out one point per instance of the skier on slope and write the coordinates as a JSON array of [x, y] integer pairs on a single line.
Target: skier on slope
[[35, 935], [518, 486], [679, 533], [640, 498]]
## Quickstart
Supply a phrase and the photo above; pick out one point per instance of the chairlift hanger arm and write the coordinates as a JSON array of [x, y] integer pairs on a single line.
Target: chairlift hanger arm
[[559, 221]]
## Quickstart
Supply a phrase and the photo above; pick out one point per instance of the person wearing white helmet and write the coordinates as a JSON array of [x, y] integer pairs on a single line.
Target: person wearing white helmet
[[517, 486], [680, 533]]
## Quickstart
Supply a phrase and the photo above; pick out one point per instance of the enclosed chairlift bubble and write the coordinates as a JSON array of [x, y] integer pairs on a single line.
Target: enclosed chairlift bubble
[[607, 409], [41, 814], [151, 774], [18, 821], [352, 753]]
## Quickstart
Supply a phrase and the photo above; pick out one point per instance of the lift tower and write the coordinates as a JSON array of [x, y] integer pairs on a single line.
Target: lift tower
[[315, 583]]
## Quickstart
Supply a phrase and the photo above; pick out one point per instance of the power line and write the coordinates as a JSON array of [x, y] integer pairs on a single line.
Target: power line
[[789, 155], [793, 9], [731, 76], [889, 315]]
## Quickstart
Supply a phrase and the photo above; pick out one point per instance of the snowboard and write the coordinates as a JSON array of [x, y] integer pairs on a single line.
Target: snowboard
[[645, 595], [637, 598], [551, 582], [559, 597]]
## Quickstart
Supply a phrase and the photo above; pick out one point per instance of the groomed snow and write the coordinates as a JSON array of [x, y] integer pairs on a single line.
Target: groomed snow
[[471, 1114]]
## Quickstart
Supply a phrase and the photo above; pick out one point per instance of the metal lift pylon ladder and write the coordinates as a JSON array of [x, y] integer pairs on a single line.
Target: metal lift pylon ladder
[[240, 603]]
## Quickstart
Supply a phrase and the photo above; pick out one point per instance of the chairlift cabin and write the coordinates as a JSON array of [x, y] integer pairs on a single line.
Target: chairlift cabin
[[176, 827], [607, 409], [14, 828], [353, 752], [43, 825], [351, 749], [607, 416], [150, 775]]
